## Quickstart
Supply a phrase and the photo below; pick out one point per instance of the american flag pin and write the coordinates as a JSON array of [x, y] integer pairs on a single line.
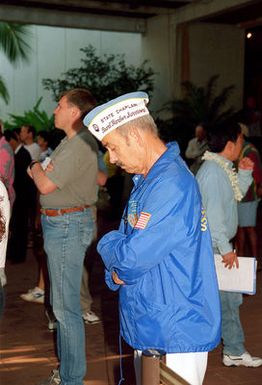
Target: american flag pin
[[142, 220]]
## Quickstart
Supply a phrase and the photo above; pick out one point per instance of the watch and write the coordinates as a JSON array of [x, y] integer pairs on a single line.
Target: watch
[[32, 163]]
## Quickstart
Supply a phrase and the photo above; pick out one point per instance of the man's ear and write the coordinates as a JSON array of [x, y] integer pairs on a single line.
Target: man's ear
[[136, 135], [229, 148], [76, 113], [231, 145]]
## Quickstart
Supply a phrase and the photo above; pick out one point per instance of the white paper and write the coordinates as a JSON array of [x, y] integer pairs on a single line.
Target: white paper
[[242, 280], [46, 162]]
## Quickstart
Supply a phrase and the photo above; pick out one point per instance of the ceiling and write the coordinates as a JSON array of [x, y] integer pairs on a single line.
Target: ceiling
[[128, 8], [247, 15]]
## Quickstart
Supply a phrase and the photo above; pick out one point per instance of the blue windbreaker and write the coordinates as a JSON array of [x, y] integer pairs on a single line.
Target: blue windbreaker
[[163, 253]]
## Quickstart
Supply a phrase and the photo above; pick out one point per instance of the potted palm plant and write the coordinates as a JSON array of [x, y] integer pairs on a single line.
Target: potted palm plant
[[198, 104]]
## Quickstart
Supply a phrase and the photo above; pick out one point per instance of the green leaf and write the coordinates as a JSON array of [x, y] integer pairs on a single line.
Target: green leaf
[[107, 77], [39, 119], [3, 90], [13, 41], [198, 104]]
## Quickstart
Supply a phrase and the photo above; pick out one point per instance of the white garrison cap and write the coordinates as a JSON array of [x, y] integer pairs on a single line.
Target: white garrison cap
[[107, 117]]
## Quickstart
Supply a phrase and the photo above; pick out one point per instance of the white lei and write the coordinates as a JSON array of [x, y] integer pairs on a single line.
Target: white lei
[[230, 171]]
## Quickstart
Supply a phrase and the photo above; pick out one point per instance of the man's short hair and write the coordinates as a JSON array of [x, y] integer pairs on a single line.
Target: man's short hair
[[30, 129], [10, 134], [45, 135], [17, 130], [81, 98], [221, 133], [145, 123]]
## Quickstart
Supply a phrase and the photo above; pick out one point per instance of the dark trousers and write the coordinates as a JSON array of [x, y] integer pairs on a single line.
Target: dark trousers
[[2, 300], [115, 185], [18, 229]]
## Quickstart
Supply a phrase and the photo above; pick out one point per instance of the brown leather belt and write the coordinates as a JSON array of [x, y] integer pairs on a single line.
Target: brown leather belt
[[56, 212]]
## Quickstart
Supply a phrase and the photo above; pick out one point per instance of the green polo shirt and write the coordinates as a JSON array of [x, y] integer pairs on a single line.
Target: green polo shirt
[[74, 174]]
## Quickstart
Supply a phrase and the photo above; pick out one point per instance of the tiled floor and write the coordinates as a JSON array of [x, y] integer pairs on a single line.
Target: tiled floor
[[27, 347]]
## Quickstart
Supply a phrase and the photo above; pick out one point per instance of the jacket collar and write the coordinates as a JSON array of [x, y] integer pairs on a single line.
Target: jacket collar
[[171, 153]]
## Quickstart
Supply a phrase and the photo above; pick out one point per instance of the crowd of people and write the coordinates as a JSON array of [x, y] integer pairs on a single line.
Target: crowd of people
[[161, 258]]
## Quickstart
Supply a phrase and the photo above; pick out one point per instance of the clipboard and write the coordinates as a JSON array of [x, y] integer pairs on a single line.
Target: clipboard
[[241, 280]]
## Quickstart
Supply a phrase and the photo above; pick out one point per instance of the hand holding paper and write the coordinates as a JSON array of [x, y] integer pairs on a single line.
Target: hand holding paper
[[230, 260], [242, 279]]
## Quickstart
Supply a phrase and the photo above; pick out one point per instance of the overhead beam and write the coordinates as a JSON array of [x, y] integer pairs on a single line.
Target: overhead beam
[[147, 8], [251, 23], [199, 10], [30, 15]]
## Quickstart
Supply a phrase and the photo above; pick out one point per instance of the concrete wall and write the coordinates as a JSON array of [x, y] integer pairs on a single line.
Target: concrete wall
[[157, 46], [218, 49], [54, 50], [212, 49]]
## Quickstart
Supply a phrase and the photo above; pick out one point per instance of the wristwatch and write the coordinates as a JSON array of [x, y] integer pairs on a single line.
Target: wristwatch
[[32, 163]]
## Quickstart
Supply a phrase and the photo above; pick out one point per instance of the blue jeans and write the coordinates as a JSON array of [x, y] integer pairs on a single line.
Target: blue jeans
[[66, 239], [232, 332]]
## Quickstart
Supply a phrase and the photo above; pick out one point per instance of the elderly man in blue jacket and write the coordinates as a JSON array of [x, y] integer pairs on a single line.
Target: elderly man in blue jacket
[[160, 259]]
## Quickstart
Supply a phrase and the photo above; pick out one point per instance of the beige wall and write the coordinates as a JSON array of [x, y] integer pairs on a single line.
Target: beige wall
[[157, 47], [218, 49], [212, 48]]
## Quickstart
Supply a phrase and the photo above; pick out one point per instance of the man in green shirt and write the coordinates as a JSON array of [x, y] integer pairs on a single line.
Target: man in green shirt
[[68, 189]]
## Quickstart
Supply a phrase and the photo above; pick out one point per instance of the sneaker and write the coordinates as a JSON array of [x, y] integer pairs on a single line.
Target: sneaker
[[90, 317], [53, 379], [34, 295], [244, 360], [52, 322]]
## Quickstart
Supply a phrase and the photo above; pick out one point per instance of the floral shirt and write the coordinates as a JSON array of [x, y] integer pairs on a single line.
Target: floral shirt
[[5, 211], [7, 172]]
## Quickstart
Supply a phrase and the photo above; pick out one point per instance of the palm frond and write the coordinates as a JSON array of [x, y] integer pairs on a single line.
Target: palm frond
[[197, 105], [201, 104], [39, 119], [225, 115], [3, 90], [218, 103], [210, 89], [13, 41]]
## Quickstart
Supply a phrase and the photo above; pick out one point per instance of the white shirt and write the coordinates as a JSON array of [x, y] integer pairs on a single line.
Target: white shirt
[[34, 150]]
